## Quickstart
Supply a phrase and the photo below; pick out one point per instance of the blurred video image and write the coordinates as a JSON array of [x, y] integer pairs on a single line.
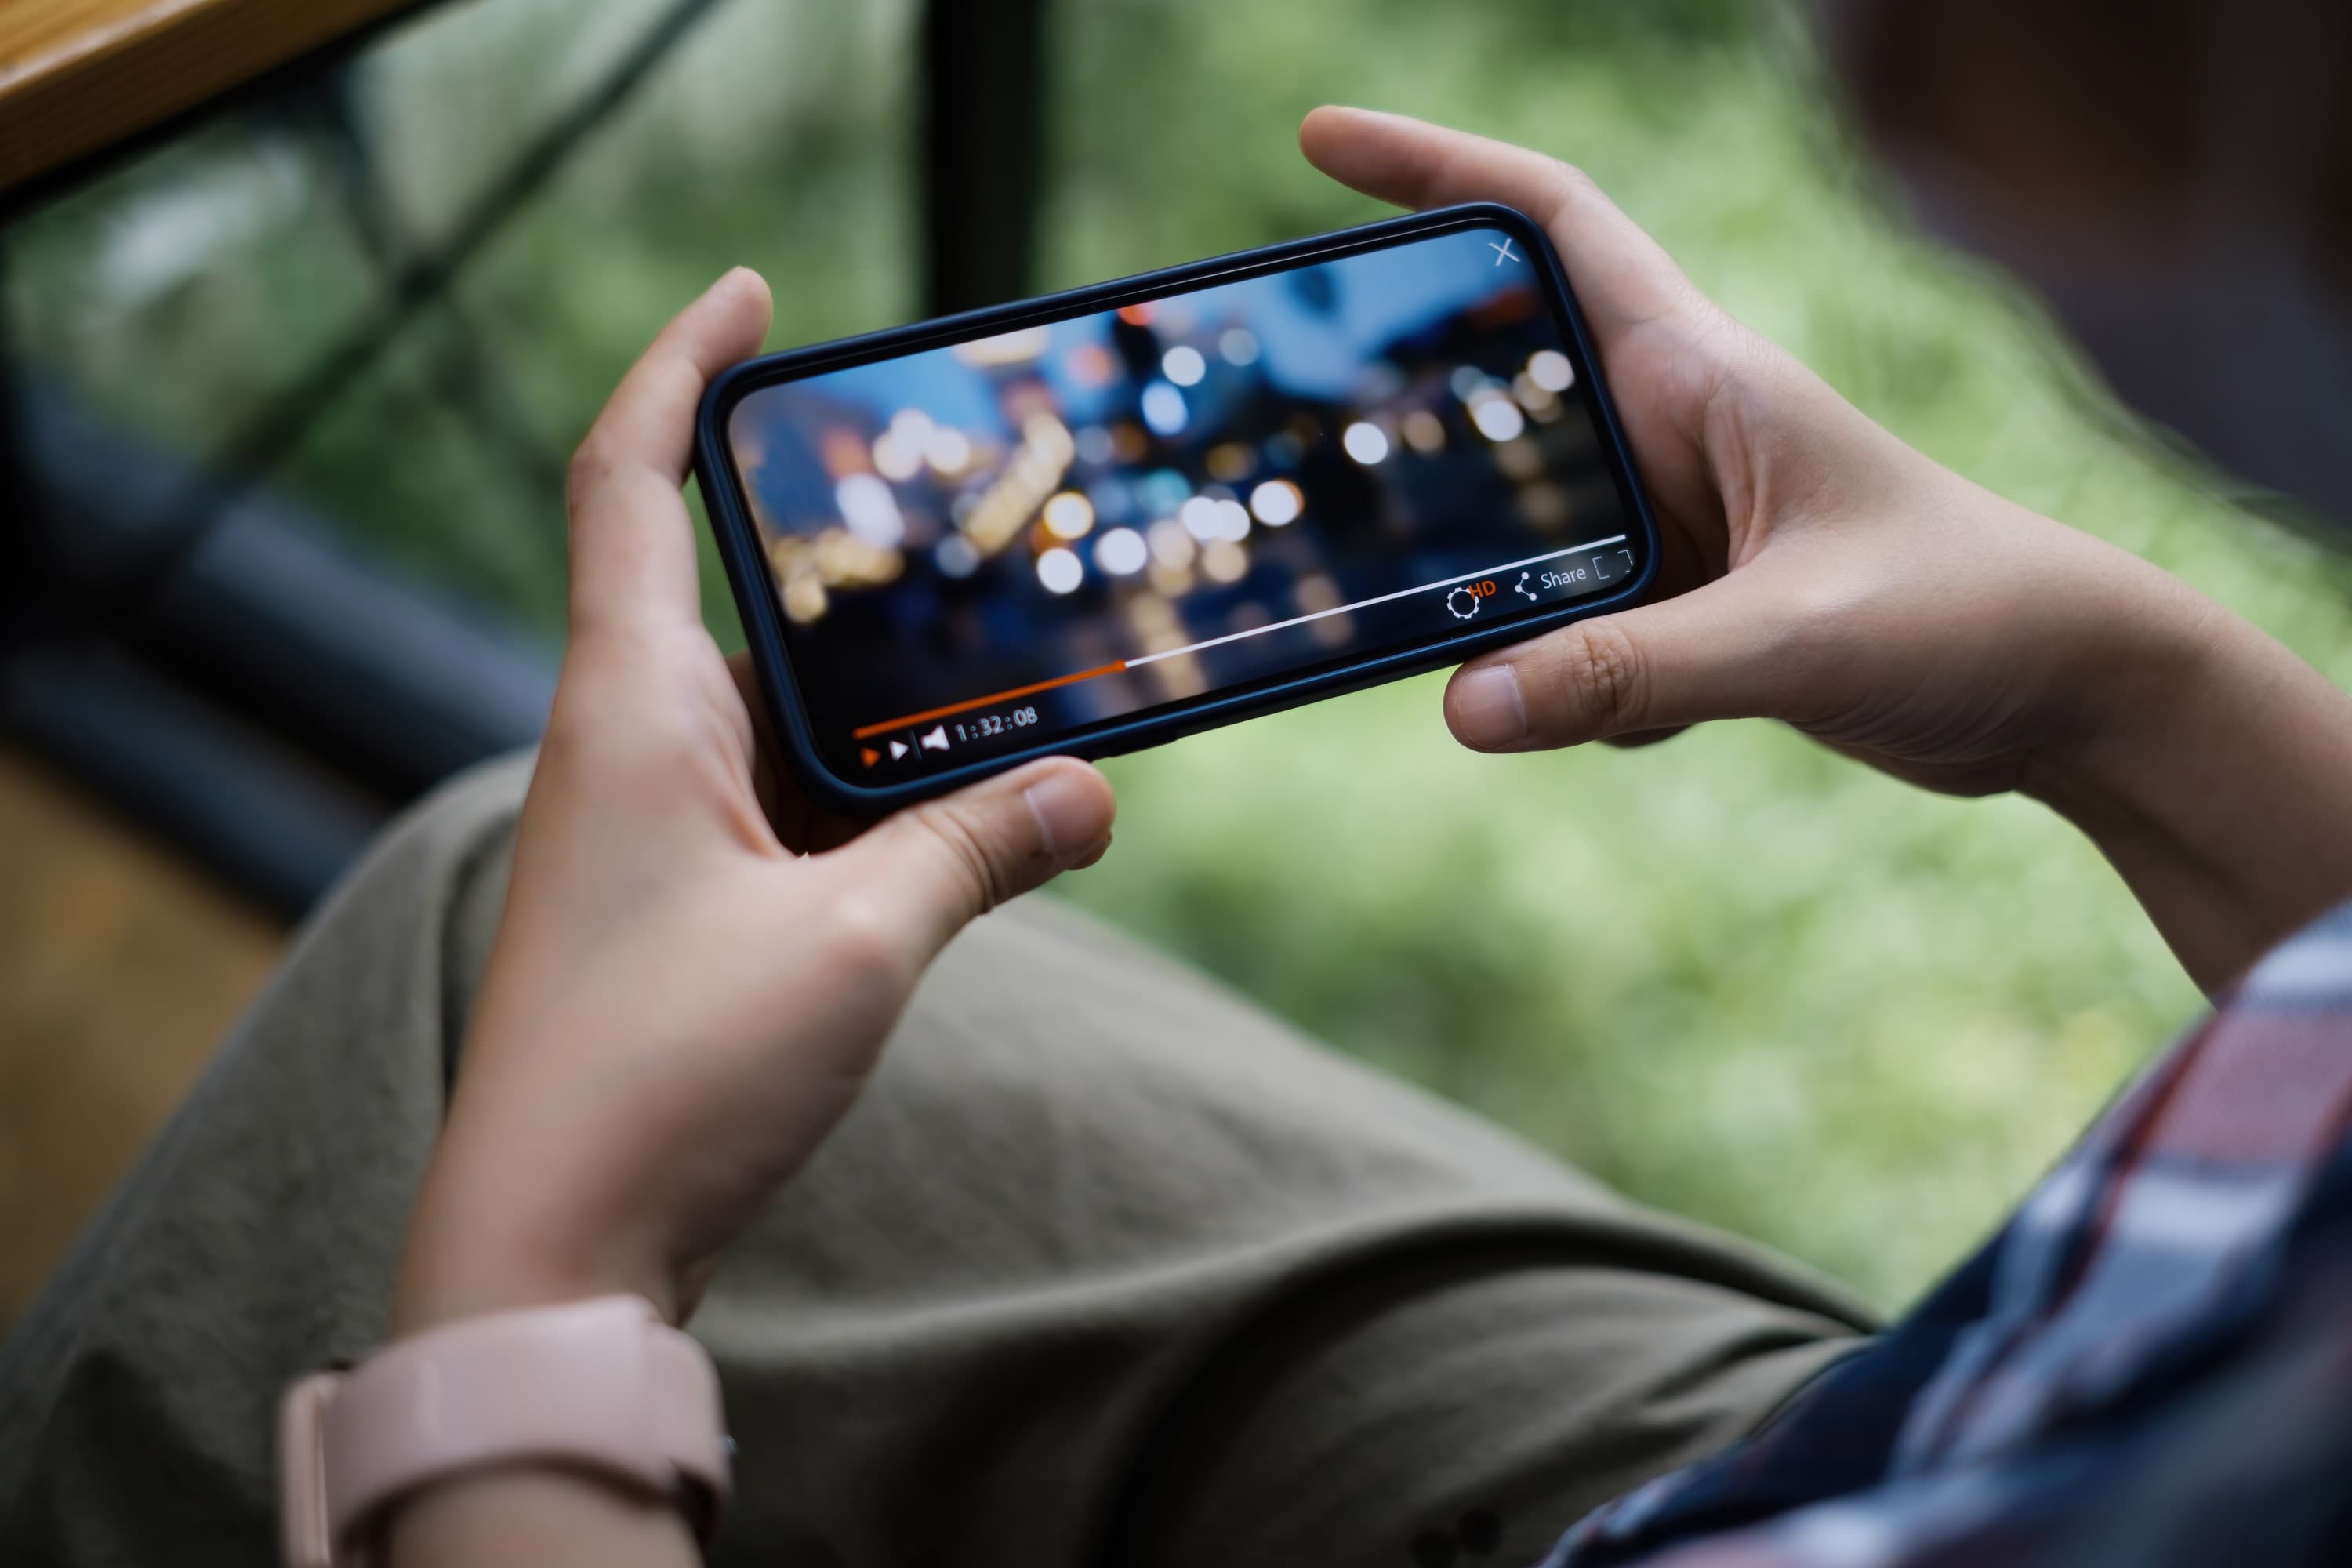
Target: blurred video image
[[982, 545]]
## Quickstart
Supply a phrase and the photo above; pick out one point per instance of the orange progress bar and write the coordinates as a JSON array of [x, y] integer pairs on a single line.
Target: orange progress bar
[[928, 713]]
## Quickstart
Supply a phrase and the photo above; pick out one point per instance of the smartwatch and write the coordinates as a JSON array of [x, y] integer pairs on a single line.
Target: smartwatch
[[604, 1386]]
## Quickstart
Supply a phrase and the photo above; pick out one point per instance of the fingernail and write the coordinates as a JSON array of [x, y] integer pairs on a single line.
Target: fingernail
[[1070, 813], [1486, 708]]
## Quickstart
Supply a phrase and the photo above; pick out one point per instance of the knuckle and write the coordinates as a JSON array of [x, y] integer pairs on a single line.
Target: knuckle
[[591, 461], [1574, 183], [1815, 634], [867, 945], [974, 867], [1572, 189], [1599, 670]]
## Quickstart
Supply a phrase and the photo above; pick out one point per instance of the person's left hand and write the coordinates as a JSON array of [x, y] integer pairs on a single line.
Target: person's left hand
[[680, 1005]]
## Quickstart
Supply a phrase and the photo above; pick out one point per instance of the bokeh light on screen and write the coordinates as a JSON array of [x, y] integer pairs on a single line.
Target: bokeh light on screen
[[1006, 347], [1122, 552], [1497, 418], [946, 450], [1163, 409], [1172, 545], [1207, 518], [870, 510], [955, 556], [1276, 502], [1425, 431], [1060, 569], [898, 450], [1549, 368], [1068, 515]]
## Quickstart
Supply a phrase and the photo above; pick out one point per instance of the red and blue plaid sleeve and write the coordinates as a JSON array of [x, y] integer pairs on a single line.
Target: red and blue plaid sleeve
[[2151, 1362]]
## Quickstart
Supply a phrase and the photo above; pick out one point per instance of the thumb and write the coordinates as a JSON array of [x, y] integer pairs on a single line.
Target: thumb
[[1706, 654], [932, 869]]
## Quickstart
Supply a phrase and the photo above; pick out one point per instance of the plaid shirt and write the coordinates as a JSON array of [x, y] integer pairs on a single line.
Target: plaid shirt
[[2150, 1363]]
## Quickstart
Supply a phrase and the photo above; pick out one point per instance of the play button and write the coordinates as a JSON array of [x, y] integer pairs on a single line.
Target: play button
[[898, 750]]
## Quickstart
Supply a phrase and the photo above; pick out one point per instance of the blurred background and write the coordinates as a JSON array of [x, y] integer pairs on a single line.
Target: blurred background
[[292, 376]]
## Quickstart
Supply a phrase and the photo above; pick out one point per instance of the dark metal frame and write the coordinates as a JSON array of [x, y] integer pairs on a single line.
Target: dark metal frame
[[984, 87], [191, 656], [416, 281]]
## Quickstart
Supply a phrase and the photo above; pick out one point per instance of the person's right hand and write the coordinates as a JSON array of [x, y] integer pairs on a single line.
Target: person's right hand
[[1827, 575]]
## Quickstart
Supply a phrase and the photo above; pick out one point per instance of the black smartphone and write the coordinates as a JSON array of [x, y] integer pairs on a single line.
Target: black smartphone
[[1095, 521]]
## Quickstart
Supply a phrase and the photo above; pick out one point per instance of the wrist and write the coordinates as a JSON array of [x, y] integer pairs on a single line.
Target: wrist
[[532, 1197], [546, 1514], [477, 1245], [2216, 775], [441, 1285], [2149, 681]]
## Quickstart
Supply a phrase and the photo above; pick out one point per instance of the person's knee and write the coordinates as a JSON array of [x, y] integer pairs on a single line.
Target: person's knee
[[406, 932]]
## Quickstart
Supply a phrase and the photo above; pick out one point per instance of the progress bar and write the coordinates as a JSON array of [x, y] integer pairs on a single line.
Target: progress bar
[[930, 713], [1006, 696]]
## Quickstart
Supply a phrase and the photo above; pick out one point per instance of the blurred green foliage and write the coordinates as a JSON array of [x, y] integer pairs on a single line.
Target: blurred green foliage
[[1735, 975]]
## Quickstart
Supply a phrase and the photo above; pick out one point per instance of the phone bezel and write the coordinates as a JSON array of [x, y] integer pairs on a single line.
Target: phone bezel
[[757, 603]]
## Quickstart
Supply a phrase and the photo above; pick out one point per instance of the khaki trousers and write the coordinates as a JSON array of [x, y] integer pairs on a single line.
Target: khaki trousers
[[1106, 1267]]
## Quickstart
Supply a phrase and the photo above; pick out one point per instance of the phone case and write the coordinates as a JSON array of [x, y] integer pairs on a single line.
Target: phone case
[[755, 596]]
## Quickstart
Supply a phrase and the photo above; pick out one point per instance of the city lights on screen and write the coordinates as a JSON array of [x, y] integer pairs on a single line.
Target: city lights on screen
[[1116, 488]]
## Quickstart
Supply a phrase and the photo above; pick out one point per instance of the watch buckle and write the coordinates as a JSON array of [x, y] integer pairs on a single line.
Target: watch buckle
[[309, 1530]]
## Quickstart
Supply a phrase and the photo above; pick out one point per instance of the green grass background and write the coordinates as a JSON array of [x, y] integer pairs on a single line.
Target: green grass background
[[1735, 975]]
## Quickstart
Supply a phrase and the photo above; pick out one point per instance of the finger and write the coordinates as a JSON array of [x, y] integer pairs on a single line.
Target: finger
[[787, 809], [800, 825], [632, 541], [1621, 275], [1712, 654], [930, 869]]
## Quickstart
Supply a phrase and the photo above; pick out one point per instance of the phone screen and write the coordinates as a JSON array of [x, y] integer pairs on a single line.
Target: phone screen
[[993, 544]]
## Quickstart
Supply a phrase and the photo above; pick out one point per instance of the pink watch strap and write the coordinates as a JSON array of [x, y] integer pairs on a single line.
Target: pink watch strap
[[604, 1385]]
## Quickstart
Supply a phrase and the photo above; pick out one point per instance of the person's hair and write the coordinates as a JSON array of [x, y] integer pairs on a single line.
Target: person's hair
[[2060, 102]]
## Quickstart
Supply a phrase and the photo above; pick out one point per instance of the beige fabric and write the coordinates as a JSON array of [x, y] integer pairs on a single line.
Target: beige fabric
[[1106, 1267]]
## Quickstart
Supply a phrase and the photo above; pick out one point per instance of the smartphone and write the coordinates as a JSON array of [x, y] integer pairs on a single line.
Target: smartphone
[[1100, 521]]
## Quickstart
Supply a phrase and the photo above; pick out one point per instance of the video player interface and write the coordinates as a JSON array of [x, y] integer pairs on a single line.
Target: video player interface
[[1009, 539]]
